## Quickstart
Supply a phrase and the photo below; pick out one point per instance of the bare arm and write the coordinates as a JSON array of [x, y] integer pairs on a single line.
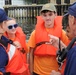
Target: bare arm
[[31, 60]]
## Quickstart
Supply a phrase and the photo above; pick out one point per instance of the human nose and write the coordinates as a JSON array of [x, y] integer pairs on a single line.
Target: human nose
[[47, 17]]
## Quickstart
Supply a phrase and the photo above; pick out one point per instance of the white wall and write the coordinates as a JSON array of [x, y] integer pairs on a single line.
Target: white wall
[[2, 2], [14, 2], [18, 2]]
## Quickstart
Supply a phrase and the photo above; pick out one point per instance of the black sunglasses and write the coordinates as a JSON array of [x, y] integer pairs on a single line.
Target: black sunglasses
[[11, 26]]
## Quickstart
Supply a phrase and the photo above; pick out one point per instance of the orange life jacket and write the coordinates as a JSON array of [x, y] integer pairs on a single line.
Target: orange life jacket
[[42, 35], [21, 37], [16, 65]]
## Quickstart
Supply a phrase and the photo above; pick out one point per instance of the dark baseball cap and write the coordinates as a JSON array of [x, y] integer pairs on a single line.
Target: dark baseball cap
[[3, 15], [72, 10]]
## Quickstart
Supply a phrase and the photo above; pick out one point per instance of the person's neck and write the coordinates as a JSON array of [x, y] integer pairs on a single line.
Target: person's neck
[[0, 36], [11, 36]]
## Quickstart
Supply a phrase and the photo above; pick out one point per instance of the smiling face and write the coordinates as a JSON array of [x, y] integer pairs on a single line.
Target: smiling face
[[11, 26], [48, 17]]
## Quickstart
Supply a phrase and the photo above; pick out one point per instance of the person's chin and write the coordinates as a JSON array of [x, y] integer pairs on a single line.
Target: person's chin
[[13, 32]]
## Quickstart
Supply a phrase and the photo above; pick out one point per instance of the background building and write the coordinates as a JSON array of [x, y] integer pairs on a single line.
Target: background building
[[25, 2], [62, 1], [11, 2]]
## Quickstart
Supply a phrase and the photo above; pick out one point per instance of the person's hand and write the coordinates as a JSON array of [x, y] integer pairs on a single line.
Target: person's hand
[[55, 73], [17, 44], [55, 41]]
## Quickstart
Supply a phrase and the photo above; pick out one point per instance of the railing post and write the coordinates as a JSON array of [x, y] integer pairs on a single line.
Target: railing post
[[67, 1], [58, 1], [6, 9]]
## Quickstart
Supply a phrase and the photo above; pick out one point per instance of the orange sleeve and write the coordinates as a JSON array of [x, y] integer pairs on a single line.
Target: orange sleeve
[[31, 41], [64, 38]]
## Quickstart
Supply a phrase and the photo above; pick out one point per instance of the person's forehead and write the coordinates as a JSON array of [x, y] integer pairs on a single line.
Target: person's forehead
[[70, 16], [11, 21]]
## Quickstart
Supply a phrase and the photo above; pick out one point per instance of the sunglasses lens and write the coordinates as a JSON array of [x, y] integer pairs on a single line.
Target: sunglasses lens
[[16, 25], [11, 26]]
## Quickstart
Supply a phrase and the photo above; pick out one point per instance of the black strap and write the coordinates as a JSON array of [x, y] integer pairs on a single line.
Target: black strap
[[40, 43], [6, 73], [3, 43]]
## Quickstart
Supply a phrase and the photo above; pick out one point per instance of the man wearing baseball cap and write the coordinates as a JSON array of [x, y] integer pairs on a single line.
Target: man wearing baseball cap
[[71, 56], [45, 55], [3, 54]]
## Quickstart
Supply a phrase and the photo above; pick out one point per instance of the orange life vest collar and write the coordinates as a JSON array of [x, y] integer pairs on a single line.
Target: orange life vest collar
[[42, 35]]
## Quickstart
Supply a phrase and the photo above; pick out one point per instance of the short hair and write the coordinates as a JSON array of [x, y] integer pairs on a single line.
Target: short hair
[[45, 11]]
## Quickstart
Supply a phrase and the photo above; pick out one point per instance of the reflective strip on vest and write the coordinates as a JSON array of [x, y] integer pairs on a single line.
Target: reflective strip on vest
[[11, 51]]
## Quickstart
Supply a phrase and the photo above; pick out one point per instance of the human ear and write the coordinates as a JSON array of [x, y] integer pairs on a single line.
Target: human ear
[[74, 21], [71, 20], [55, 15], [3, 25]]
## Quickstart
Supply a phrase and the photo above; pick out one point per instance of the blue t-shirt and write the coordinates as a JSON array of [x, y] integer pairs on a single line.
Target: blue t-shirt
[[3, 56], [70, 68]]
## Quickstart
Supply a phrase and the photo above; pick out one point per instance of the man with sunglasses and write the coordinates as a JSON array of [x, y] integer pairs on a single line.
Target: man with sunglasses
[[11, 61], [3, 54]]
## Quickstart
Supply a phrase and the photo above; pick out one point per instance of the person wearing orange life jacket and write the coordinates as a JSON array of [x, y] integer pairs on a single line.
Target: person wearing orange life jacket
[[15, 33], [44, 54], [17, 36]]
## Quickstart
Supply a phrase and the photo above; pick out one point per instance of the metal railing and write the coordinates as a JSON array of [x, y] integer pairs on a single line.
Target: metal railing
[[26, 15]]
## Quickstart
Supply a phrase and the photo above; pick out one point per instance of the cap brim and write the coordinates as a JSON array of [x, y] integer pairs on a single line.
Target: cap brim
[[66, 14], [47, 9], [44, 10], [8, 18]]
